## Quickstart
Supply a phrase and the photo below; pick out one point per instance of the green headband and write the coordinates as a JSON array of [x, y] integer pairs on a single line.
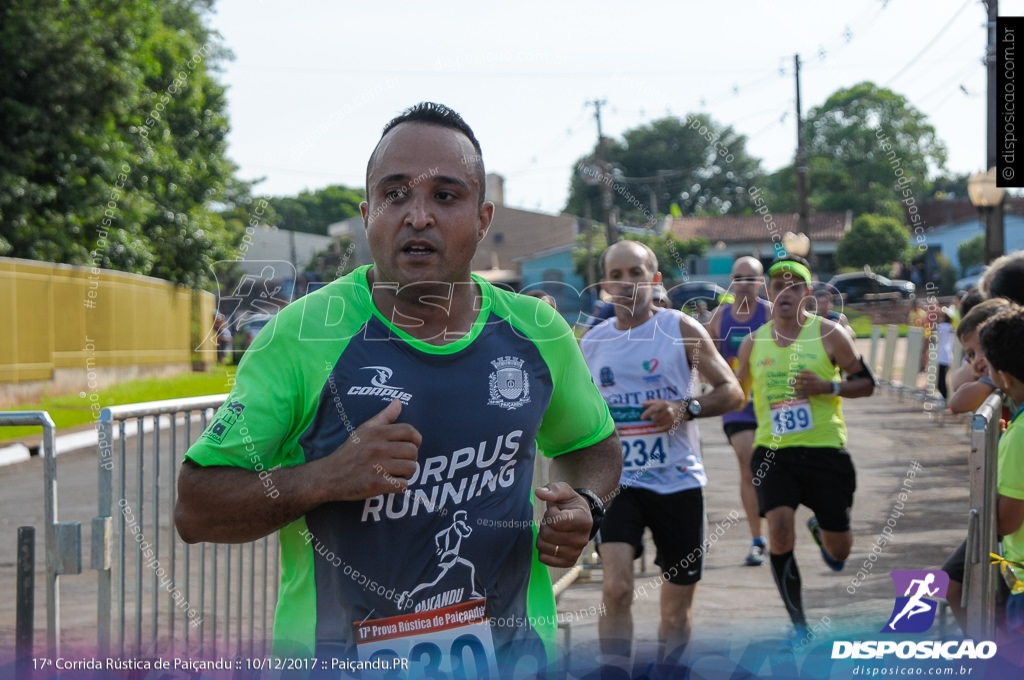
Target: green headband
[[793, 267]]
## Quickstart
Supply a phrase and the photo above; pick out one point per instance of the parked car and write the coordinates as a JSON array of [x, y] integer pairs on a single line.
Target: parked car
[[687, 294], [972, 278], [870, 287]]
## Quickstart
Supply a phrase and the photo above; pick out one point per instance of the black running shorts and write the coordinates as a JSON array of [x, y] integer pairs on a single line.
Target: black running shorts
[[823, 479], [676, 521]]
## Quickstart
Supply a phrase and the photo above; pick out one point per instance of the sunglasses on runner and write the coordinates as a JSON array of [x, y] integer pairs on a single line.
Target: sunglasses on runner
[[746, 279]]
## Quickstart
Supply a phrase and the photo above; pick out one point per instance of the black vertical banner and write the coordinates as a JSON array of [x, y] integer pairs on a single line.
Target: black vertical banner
[[1009, 102]]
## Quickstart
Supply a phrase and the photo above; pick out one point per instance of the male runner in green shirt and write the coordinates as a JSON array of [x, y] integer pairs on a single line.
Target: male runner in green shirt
[[404, 405], [792, 362]]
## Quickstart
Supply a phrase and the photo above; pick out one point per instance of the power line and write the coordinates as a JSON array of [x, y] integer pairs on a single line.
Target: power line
[[930, 43], [946, 83]]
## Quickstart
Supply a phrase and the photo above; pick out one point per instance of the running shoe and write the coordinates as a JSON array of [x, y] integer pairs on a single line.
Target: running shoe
[[815, 528], [757, 553]]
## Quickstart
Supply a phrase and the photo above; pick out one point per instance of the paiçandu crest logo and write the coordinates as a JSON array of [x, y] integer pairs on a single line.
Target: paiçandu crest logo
[[607, 376], [509, 384], [913, 613]]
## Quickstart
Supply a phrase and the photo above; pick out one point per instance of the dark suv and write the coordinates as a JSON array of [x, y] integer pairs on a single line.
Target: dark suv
[[870, 287]]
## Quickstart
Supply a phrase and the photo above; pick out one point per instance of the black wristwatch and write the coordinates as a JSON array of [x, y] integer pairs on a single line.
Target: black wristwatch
[[596, 509], [692, 407]]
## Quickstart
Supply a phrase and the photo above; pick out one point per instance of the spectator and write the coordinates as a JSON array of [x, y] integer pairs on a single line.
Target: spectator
[[661, 298], [702, 315], [967, 398], [823, 298], [971, 393], [964, 373], [541, 295], [1001, 338], [1005, 278], [223, 332]]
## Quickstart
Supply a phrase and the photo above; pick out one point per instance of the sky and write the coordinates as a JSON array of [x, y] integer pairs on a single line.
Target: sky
[[314, 81]]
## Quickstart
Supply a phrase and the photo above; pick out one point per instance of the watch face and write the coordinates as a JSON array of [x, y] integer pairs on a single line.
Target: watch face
[[694, 408]]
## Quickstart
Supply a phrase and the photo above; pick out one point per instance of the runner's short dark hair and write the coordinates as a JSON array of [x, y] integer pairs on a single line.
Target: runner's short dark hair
[[431, 113]]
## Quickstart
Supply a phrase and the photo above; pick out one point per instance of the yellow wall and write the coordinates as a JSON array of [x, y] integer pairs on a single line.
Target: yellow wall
[[55, 316]]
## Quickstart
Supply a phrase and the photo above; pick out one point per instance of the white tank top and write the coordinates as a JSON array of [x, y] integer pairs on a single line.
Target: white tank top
[[637, 365]]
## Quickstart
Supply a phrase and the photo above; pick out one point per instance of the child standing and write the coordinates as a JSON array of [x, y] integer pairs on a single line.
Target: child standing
[[1001, 339]]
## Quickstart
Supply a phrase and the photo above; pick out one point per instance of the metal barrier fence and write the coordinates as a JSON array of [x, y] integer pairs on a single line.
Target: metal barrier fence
[[876, 337], [193, 595], [980, 575], [892, 333], [63, 540], [217, 581], [911, 363]]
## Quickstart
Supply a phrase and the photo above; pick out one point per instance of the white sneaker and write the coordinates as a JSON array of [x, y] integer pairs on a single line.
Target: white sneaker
[[756, 556]]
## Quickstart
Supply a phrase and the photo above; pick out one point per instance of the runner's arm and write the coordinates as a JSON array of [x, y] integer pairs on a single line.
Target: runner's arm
[[726, 394], [743, 375], [222, 504], [567, 521], [845, 323], [596, 467], [1009, 515], [844, 355], [714, 326]]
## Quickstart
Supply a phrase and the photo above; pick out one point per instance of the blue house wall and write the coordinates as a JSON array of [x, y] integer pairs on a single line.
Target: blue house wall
[[947, 239], [554, 273]]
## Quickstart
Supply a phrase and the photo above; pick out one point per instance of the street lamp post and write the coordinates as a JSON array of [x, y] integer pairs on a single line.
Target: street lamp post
[[988, 199]]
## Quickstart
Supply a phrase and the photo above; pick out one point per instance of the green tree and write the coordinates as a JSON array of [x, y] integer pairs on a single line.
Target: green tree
[[947, 275], [672, 252], [313, 212], [868, 150], [874, 240], [694, 162], [945, 187], [971, 253], [334, 261], [113, 143]]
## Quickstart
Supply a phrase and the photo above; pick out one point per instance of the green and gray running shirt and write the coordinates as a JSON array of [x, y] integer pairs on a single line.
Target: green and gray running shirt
[[464, 531]]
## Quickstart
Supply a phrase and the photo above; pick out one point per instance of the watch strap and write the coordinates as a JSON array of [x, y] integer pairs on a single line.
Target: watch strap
[[596, 509]]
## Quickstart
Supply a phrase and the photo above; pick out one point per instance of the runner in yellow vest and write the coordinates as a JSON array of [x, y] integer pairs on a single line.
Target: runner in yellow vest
[[792, 362]]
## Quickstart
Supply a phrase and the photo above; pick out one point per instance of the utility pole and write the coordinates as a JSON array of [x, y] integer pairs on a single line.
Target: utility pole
[[801, 160], [994, 236], [586, 225], [606, 188]]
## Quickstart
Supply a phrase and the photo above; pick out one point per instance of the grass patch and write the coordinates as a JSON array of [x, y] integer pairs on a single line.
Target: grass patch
[[861, 323], [71, 410]]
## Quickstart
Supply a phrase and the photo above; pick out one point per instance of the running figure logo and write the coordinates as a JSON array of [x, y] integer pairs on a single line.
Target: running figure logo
[[916, 585], [448, 542]]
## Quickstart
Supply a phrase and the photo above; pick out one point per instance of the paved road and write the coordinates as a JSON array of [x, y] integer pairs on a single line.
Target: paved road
[[734, 604], [887, 438]]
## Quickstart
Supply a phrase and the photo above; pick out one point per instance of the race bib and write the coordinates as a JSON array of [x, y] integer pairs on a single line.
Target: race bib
[[790, 416], [451, 642], [643, 446]]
